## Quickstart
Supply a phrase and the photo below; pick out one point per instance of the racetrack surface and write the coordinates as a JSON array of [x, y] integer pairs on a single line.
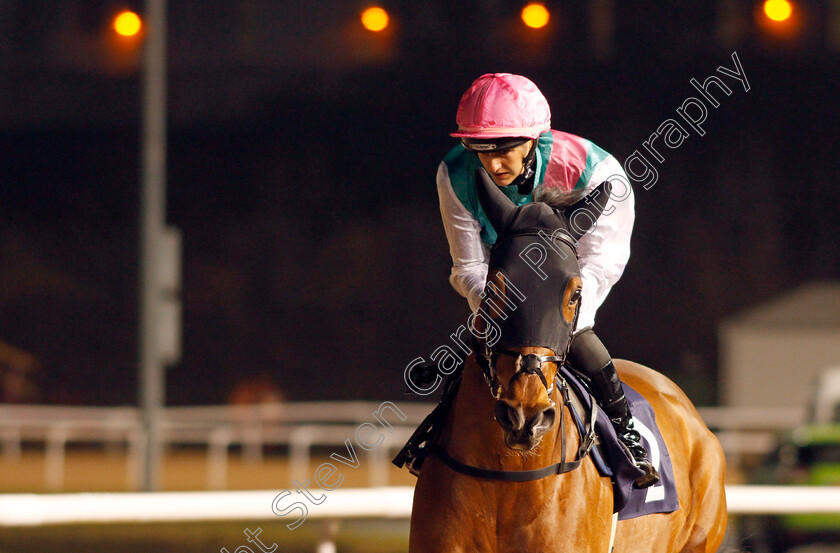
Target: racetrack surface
[[353, 537]]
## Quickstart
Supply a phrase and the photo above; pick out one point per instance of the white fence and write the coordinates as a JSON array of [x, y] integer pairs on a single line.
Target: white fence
[[384, 502], [299, 426], [341, 504]]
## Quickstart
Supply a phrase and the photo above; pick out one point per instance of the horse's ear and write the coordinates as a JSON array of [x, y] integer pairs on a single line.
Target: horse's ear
[[582, 215], [497, 206]]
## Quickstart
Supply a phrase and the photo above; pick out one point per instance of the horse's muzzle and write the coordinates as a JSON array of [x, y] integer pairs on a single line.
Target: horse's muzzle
[[521, 430]]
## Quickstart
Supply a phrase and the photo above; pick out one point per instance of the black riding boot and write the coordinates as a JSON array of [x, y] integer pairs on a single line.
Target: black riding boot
[[588, 355]]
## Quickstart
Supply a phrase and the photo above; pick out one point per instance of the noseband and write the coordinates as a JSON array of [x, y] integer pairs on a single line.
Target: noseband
[[526, 364]]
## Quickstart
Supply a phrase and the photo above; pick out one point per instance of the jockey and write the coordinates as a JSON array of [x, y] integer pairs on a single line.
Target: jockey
[[504, 124]]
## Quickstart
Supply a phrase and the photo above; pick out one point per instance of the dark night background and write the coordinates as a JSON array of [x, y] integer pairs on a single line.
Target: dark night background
[[302, 155]]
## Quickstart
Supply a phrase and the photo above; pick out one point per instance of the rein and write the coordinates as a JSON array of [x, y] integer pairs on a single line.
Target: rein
[[587, 440]]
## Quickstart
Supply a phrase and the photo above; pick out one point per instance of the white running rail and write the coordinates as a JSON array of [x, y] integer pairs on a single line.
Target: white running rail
[[384, 502], [300, 426]]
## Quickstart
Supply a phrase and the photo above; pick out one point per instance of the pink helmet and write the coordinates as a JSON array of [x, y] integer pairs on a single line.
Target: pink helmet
[[499, 105]]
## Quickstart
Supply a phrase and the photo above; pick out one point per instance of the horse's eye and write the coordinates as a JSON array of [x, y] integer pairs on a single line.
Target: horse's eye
[[575, 296]]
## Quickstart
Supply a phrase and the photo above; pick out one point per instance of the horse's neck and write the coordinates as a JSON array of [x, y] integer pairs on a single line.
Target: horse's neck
[[474, 437]]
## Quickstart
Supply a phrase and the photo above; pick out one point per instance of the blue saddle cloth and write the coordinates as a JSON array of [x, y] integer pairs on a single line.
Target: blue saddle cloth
[[613, 459]]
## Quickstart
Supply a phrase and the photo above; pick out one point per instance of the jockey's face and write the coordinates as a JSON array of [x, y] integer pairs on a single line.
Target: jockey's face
[[505, 165]]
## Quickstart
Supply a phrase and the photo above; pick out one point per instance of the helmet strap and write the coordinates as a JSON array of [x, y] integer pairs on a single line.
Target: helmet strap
[[525, 181]]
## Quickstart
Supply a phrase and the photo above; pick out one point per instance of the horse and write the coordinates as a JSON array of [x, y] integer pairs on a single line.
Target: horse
[[521, 426]]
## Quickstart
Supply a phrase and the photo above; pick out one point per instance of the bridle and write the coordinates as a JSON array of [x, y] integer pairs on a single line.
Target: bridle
[[530, 363], [586, 433]]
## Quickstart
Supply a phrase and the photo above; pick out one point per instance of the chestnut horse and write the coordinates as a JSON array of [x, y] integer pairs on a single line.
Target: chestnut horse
[[458, 511]]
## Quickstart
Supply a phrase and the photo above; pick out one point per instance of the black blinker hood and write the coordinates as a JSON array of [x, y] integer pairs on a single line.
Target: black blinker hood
[[535, 252]]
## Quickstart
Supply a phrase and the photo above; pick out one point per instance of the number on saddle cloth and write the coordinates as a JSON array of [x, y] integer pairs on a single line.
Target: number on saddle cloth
[[612, 459]]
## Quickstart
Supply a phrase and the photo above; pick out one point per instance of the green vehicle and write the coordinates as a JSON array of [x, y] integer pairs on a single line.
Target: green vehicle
[[806, 456]]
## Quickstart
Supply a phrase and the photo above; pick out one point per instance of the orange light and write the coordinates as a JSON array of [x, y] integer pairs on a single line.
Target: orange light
[[375, 19], [535, 16], [127, 24], [778, 10]]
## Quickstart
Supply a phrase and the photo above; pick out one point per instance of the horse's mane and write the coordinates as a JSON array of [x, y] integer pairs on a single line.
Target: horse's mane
[[555, 197]]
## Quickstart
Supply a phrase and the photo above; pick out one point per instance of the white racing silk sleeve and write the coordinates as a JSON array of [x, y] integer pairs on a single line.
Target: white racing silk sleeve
[[605, 250], [463, 232]]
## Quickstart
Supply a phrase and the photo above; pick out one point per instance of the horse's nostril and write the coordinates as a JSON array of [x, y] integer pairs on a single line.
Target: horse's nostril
[[542, 422], [549, 415], [509, 417]]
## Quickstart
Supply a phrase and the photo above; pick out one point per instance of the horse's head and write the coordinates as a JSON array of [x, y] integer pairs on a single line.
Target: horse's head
[[532, 299]]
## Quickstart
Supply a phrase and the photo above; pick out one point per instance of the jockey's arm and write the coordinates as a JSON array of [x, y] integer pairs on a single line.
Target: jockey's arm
[[605, 250], [463, 232]]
